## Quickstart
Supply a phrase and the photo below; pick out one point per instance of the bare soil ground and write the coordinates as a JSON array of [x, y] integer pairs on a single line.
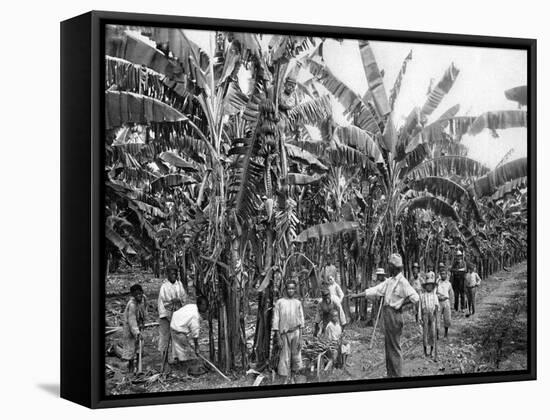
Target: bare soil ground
[[495, 339]]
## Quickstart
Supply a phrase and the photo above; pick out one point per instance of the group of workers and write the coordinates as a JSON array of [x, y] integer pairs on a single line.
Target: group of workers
[[179, 323], [426, 294]]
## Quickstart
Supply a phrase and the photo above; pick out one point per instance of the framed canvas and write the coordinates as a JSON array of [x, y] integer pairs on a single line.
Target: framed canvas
[[257, 209]]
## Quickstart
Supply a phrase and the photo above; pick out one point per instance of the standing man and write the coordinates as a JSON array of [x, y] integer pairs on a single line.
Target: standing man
[[134, 319], [472, 282], [288, 321], [380, 278], [333, 287], [396, 292], [429, 305], [443, 294], [172, 296], [458, 273], [417, 286], [324, 310]]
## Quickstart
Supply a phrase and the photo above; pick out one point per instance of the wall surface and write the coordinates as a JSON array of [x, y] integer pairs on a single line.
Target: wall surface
[[30, 206]]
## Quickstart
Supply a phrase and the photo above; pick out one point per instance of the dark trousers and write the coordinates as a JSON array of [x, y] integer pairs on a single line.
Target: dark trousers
[[459, 292], [393, 325], [471, 294]]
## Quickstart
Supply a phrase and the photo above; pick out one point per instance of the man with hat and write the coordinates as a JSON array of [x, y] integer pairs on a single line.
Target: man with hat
[[380, 278], [288, 98], [288, 321], [172, 297], [324, 309], [417, 286], [396, 292], [429, 307], [443, 294], [458, 275], [134, 319]]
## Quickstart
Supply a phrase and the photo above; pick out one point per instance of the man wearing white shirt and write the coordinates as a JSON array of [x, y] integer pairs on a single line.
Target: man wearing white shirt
[[396, 292], [172, 296], [185, 330]]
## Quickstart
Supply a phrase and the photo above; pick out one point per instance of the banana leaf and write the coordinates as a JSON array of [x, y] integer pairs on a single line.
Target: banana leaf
[[448, 166], [171, 180], [509, 188], [304, 157], [440, 90], [175, 160], [302, 179], [518, 94], [509, 171], [326, 229], [351, 101], [311, 112], [394, 92], [374, 79], [436, 205], [359, 139], [498, 120], [126, 107], [440, 186], [118, 241], [136, 49]]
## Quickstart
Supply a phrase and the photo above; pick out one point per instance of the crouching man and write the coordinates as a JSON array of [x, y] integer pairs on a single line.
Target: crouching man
[[288, 321], [185, 331]]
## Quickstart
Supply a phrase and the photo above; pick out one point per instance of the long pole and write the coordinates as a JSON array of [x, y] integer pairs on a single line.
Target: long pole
[[376, 323], [213, 366], [140, 355]]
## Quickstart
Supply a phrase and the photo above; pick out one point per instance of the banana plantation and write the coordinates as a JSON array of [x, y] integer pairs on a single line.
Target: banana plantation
[[247, 162]]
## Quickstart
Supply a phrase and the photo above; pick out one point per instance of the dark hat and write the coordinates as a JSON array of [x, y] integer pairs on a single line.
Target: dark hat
[[136, 288], [171, 266]]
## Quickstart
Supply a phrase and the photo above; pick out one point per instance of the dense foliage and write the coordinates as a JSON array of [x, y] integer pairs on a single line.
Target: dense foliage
[[212, 163]]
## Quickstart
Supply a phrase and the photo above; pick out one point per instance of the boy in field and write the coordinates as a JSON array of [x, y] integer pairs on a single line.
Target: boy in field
[[444, 288], [288, 321], [333, 332], [429, 307], [472, 282], [134, 319]]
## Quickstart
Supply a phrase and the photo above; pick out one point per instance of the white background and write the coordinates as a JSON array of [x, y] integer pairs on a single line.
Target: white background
[[29, 138]]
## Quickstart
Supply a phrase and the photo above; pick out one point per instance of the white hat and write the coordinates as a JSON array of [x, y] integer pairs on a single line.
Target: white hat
[[380, 271], [458, 252], [396, 260]]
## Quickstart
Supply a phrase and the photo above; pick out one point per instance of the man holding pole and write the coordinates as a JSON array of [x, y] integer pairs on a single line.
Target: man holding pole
[[134, 318], [396, 292]]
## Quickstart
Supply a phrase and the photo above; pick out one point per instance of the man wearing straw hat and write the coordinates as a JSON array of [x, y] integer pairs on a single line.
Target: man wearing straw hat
[[396, 292], [380, 278]]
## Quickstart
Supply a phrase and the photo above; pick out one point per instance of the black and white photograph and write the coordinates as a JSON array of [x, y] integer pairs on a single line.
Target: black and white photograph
[[285, 209]]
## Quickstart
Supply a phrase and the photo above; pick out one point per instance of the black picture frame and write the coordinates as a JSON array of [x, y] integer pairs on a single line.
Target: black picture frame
[[82, 230]]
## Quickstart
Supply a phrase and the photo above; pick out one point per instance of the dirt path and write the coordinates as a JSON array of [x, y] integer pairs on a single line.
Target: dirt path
[[474, 344]]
